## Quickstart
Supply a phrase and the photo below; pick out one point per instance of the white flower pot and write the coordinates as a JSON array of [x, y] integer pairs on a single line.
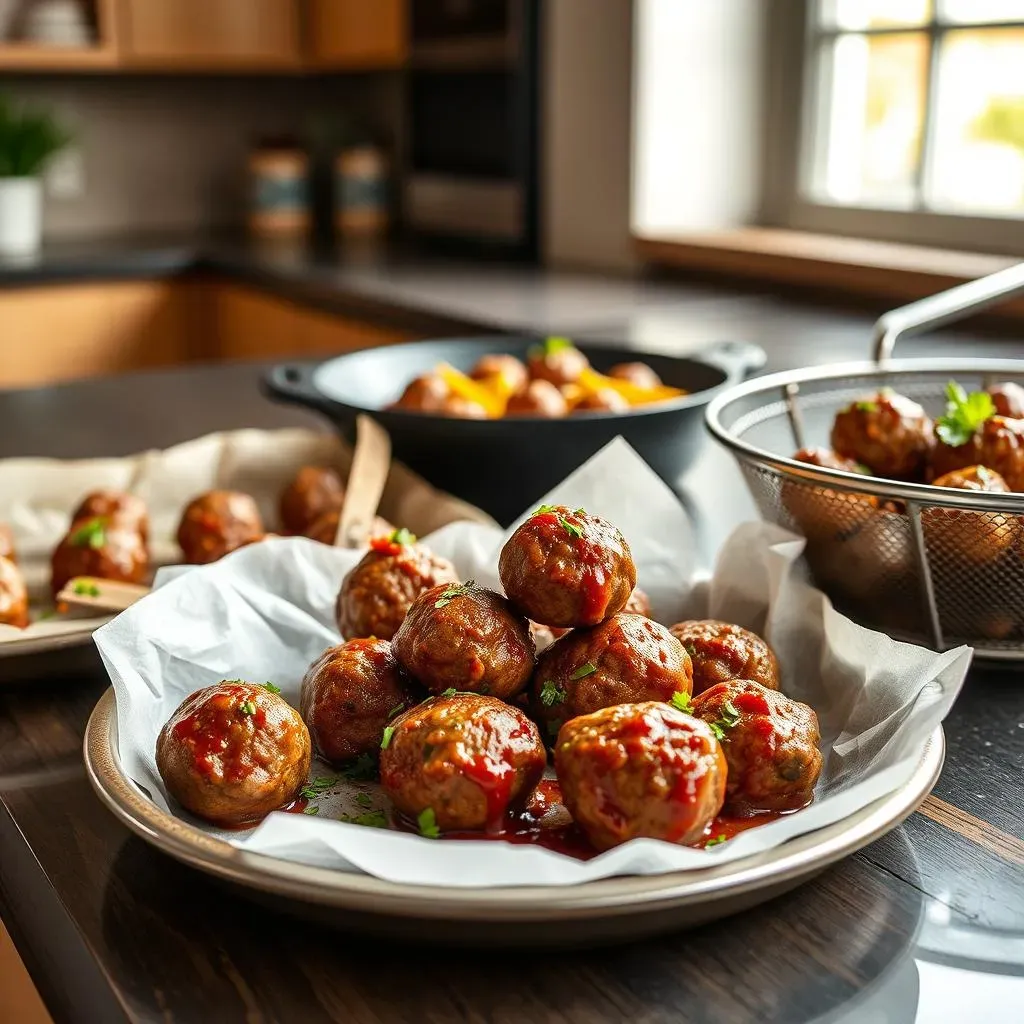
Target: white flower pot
[[21, 216]]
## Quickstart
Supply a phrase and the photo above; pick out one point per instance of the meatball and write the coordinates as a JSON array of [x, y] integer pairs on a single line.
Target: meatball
[[1008, 399], [315, 491], [722, 651], [462, 636], [770, 744], [461, 763], [349, 694], [233, 752], [7, 543], [973, 537], [538, 398], [639, 374], [640, 771], [463, 408], [13, 595], [217, 523], [99, 547], [127, 510], [997, 444], [558, 361], [603, 400], [564, 567], [505, 373], [325, 529], [887, 432], [425, 394], [627, 659], [377, 593], [638, 604], [823, 514]]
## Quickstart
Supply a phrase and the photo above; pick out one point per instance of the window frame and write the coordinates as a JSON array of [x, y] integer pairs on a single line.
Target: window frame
[[791, 112]]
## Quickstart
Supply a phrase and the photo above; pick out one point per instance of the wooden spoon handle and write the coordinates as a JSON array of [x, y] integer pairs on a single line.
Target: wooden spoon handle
[[371, 463]]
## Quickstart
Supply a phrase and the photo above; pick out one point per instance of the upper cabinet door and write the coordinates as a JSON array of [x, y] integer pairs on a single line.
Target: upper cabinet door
[[210, 34], [357, 33]]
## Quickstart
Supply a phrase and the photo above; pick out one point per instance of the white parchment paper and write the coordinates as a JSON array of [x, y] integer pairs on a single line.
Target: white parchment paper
[[266, 612]]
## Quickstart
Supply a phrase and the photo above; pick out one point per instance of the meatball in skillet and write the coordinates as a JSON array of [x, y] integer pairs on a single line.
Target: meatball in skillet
[[602, 400], [640, 771], [377, 593], [722, 651], [558, 361], [564, 567], [464, 637], [315, 491], [460, 763], [539, 398], [99, 547], [625, 660], [770, 744], [13, 595], [217, 523], [639, 374], [233, 752], [349, 694], [887, 432], [503, 372]]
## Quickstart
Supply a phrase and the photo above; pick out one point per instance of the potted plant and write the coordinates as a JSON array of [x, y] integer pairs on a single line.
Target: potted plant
[[28, 140]]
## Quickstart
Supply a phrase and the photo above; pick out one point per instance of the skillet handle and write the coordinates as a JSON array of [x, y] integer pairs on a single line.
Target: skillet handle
[[292, 383], [738, 359]]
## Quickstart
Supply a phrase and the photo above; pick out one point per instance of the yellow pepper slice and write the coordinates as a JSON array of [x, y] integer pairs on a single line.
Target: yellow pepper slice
[[632, 393], [472, 390]]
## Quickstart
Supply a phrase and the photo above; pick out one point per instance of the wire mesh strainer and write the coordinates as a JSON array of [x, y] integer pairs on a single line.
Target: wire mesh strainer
[[931, 565]]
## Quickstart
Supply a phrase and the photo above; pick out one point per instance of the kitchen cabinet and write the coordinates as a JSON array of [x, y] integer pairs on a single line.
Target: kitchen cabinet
[[210, 34], [356, 33], [19, 1000]]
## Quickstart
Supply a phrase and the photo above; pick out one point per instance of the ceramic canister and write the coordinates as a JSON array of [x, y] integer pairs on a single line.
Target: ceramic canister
[[361, 186], [279, 181]]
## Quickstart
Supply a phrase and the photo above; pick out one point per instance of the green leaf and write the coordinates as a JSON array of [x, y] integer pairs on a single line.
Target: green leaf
[[965, 413], [681, 702], [247, 707], [368, 819], [715, 842], [92, 534], [545, 509], [317, 787], [362, 769], [271, 688], [570, 528], [87, 589], [402, 536], [364, 800], [311, 809], [583, 671], [385, 740], [866, 406], [450, 692], [453, 591], [551, 694], [427, 822], [28, 140]]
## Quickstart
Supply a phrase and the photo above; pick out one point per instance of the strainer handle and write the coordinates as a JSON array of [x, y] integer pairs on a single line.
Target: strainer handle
[[946, 307]]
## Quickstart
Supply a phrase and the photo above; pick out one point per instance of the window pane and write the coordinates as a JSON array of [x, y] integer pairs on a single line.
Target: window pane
[[873, 92], [862, 14], [977, 162], [981, 10]]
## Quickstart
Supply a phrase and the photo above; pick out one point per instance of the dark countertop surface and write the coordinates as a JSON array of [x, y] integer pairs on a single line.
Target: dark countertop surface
[[925, 925]]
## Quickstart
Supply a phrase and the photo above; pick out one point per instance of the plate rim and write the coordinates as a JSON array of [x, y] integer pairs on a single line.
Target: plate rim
[[616, 896]]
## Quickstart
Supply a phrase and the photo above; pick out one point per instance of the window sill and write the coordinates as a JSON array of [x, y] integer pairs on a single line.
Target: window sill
[[853, 266]]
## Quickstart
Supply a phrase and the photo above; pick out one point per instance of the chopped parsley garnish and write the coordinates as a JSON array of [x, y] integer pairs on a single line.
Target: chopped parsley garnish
[[551, 693], [311, 809], [427, 822], [866, 406], [385, 740], [317, 787], [362, 769], [583, 671], [402, 536], [570, 528], [271, 688], [728, 719], [88, 589], [396, 710], [368, 819], [545, 509], [364, 800], [247, 707], [964, 414], [715, 841], [453, 591], [450, 692], [681, 702], [91, 534], [549, 346]]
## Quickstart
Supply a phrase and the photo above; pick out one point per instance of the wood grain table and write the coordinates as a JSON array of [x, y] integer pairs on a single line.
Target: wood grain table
[[111, 930]]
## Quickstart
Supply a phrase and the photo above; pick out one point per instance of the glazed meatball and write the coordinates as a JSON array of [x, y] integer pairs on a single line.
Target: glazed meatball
[[233, 752], [538, 398], [564, 567], [461, 763], [621, 661], [557, 361], [997, 444], [315, 491], [349, 694], [13, 595], [463, 408], [7, 543], [770, 744], [467, 638], [640, 771], [603, 400], [217, 523], [639, 374], [424, 394], [887, 432], [722, 651], [506, 373], [638, 604], [1008, 399], [325, 529], [377, 593], [974, 537], [120, 507], [99, 547], [821, 513]]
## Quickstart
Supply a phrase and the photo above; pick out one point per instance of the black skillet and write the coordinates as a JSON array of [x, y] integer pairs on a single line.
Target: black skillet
[[503, 465]]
